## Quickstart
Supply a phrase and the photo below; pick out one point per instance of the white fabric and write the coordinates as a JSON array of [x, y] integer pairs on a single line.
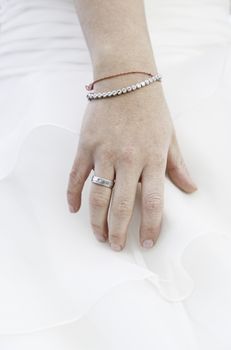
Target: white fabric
[[60, 288]]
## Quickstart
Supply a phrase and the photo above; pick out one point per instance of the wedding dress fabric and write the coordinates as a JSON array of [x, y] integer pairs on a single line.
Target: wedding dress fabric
[[62, 289]]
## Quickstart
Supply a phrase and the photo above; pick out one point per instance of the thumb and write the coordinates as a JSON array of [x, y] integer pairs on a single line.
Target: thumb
[[176, 168]]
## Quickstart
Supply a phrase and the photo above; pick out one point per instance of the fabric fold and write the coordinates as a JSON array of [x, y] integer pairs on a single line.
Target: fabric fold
[[58, 284]]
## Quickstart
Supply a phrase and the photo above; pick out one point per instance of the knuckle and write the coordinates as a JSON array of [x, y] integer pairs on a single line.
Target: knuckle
[[122, 208], [177, 166], [128, 155], [159, 159], [86, 143], [106, 155], [98, 200], [115, 237], [175, 161], [96, 227], [153, 201], [76, 178], [70, 194], [150, 231]]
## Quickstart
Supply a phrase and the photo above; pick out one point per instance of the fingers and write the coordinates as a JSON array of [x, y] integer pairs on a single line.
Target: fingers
[[177, 170], [152, 202], [77, 177], [122, 203], [99, 201]]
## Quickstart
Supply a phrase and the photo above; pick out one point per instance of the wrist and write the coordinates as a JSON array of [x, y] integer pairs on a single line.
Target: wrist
[[112, 62]]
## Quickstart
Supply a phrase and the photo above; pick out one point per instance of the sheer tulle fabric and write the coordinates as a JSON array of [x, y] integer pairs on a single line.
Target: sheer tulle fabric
[[60, 288]]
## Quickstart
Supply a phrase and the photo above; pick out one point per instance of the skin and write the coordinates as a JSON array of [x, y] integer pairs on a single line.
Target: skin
[[129, 138]]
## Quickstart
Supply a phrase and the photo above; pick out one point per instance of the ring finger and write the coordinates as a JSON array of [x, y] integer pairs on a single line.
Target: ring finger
[[152, 194], [99, 200]]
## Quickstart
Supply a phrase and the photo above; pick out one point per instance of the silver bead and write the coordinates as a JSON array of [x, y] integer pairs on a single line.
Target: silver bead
[[153, 78]]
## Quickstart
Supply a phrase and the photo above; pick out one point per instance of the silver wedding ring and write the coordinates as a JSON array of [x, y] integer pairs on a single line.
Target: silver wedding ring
[[102, 181]]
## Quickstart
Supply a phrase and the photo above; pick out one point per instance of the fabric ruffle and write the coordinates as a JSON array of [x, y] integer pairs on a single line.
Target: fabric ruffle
[[47, 252], [58, 284]]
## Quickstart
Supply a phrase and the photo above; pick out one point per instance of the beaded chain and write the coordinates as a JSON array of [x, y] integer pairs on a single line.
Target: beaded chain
[[105, 94]]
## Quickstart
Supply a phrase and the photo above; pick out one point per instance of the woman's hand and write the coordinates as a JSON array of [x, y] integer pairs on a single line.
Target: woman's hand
[[129, 138]]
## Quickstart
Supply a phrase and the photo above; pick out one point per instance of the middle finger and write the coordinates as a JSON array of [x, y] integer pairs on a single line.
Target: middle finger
[[122, 203]]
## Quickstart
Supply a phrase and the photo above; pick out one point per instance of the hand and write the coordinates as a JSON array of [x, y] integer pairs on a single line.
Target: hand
[[129, 138]]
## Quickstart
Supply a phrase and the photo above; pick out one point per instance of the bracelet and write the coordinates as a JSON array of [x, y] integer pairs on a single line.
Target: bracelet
[[90, 86], [124, 90]]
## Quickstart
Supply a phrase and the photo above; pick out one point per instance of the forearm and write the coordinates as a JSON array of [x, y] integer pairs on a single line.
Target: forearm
[[117, 36]]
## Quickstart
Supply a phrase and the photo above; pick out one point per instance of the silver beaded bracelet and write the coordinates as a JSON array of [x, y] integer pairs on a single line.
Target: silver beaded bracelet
[[124, 90]]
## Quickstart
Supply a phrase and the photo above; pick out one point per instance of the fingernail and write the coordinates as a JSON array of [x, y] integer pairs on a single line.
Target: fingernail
[[72, 209], [148, 243], [116, 247], [100, 237]]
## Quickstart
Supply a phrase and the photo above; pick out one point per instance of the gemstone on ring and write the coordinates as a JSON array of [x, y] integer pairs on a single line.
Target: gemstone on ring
[[102, 181]]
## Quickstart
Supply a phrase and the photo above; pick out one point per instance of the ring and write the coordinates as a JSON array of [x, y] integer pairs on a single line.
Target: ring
[[102, 181]]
